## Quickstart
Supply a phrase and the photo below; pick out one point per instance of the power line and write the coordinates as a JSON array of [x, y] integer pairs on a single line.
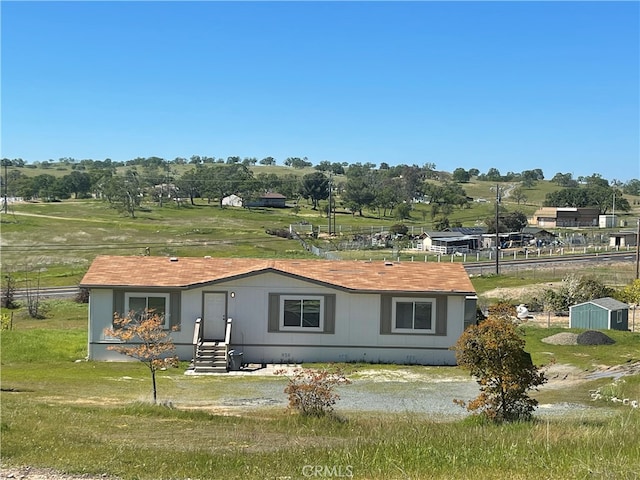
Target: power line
[[89, 247]]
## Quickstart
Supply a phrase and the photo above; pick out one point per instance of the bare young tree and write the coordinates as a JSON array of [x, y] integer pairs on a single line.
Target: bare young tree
[[146, 340], [35, 307]]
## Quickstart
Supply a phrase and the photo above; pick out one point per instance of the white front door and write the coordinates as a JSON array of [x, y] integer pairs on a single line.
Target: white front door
[[214, 316]]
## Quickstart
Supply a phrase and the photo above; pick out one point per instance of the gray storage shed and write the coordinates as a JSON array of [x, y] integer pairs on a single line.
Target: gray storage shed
[[600, 314]]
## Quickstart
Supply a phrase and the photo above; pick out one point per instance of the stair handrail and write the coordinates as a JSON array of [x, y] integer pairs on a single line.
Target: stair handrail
[[227, 332], [197, 336], [227, 339]]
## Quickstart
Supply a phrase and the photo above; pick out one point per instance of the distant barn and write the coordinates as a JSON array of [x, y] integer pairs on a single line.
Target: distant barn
[[272, 199], [269, 199]]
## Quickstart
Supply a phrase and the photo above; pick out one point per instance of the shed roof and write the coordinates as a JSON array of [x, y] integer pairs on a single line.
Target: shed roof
[[537, 231], [439, 234], [185, 272], [469, 230], [607, 303]]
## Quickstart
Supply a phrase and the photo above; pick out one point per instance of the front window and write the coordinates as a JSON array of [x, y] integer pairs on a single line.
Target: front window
[[156, 304], [301, 313], [413, 315]]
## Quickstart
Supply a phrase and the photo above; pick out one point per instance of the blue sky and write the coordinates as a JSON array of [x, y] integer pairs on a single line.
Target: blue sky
[[507, 85]]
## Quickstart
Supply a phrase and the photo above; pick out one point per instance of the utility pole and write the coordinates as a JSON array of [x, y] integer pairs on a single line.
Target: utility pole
[[613, 213], [333, 209], [329, 209], [497, 230], [638, 251], [5, 206]]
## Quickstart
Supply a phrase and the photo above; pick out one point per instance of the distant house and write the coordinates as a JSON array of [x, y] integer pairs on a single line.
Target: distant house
[[553, 217], [281, 311], [601, 314], [449, 242], [232, 201], [623, 239], [272, 199]]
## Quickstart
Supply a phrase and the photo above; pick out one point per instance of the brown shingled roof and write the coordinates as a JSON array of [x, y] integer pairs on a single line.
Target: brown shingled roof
[[185, 272]]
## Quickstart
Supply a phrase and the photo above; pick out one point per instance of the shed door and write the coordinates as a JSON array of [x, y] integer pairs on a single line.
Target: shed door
[[214, 315]]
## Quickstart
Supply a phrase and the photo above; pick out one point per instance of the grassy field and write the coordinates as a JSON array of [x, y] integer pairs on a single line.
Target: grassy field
[[61, 411], [95, 418], [52, 244]]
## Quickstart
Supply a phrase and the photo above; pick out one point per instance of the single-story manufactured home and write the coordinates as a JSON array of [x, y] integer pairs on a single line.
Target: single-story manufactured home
[[600, 314], [287, 311]]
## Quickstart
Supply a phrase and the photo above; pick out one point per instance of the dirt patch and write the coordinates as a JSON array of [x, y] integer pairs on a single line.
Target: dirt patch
[[30, 473], [516, 294], [563, 376]]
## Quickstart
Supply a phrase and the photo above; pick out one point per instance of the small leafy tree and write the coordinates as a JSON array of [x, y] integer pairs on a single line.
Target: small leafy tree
[[145, 340], [630, 293], [574, 289], [493, 352], [312, 392]]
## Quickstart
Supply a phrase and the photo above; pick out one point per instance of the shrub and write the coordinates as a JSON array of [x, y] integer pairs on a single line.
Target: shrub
[[82, 296], [312, 392], [5, 321]]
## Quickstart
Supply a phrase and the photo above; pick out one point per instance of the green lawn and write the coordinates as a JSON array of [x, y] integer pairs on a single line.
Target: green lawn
[[82, 417]]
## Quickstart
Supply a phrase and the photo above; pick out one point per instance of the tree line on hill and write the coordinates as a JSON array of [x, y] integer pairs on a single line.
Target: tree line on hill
[[386, 190]]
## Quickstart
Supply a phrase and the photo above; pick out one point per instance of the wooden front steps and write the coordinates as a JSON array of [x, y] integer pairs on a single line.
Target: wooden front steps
[[210, 357]]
